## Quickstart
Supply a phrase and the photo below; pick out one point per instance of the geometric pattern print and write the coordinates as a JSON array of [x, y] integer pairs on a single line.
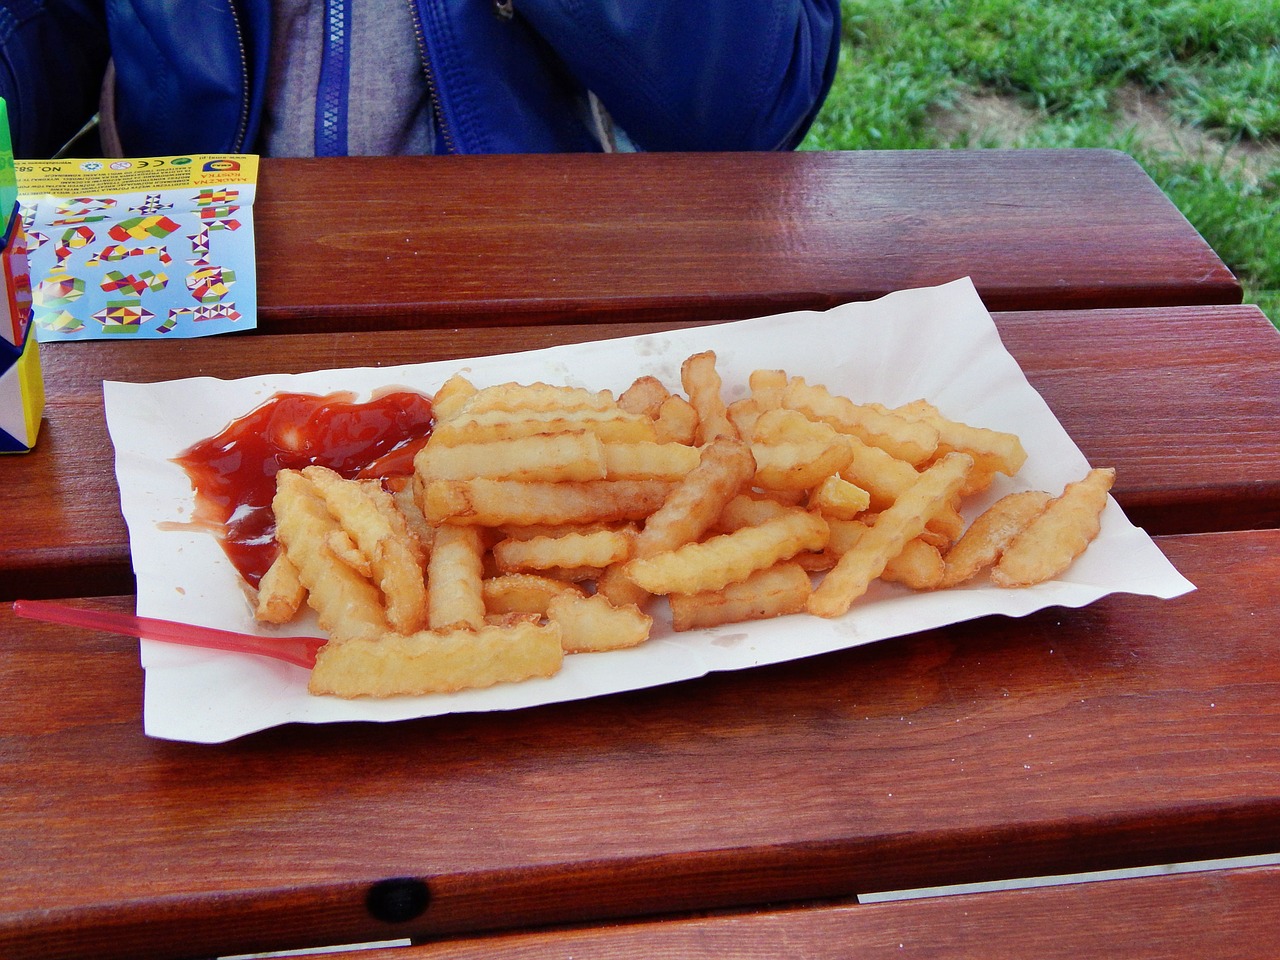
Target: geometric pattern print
[[147, 231], [123, 316]]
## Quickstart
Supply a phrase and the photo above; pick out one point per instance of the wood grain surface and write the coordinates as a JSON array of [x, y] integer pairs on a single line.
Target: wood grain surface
[[1226, 914], [381, 243], [1184, 402], [1128, 732]]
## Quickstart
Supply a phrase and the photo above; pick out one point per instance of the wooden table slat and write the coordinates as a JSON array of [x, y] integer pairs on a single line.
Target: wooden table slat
[[1132, 731], [711, 236], [1226, 914]]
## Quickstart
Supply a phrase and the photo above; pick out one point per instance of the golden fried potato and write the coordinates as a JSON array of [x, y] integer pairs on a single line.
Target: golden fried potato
[[571, 455], [347, 605], [511, 531], [645, 396], [917, 565], [842, 537], [909, 440], [766, 388], [593, 624], [616, 587], [455, 575], [575, 575], [406, 504], [902, 522], [450, 397], [613, 425], [994, 529], [280, 592], [879, 472], [886, 478], [837, 498], [511, 619], [366, 512], [728, 557], [344, 548], [748, 510], [743, 414], [538, 502], [676, 422], [993, 451], [772, 592], [782, 425], [724, 467], [495, 503], [648, 461], [523, 593], [845, 534], [598, 549], [536, 397], [702, 385], [799, 466], [1053, 540], [437, 661]]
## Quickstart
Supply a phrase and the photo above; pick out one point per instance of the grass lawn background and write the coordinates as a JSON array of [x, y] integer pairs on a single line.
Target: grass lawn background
[[1189, 88]]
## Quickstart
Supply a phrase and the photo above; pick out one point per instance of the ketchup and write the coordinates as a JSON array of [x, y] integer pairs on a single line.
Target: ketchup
[[234, 472]]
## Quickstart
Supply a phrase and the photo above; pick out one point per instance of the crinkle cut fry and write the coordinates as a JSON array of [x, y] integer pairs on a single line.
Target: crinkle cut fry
[[693, 505], [771, 592], [280, 592], [347, 605], [496, 503], [437, 661], [903, 521], [366, 512], [455, 586], [702, 385], [1053, 540], [990, 533], [728, 557]]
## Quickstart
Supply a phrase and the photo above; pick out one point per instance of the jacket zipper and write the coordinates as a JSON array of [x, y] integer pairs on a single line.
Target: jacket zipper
[[237, 144], [437, 106], [332, 92]]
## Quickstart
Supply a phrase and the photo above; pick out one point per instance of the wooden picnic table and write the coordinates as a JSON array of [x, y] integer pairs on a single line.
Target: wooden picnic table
[[742, 808]]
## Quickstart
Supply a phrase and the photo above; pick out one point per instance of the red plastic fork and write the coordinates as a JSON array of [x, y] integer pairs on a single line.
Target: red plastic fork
[[297, 650]]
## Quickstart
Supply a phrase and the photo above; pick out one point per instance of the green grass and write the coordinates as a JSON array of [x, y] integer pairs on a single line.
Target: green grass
[[1213, 64]]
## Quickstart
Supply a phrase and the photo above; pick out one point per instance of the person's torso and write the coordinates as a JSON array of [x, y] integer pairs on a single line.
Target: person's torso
[[207, 77]]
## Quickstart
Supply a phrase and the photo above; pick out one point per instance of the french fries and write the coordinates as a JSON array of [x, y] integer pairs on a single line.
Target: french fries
[[455, 576], [729, 557], [380, 533], [1051, 541], [598, 548], [280, 591], [769, 592], [893, 529], [437, 661], [988, 535], [702, 383], [347, 605], [542, 521], [592, 624], [495, 503]]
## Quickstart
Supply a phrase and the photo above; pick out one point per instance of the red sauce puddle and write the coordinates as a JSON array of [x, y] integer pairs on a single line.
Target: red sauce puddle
[[234, 472]]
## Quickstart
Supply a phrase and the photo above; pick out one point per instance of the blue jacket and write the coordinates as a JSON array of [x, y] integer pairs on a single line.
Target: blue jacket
[[507, 76]]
